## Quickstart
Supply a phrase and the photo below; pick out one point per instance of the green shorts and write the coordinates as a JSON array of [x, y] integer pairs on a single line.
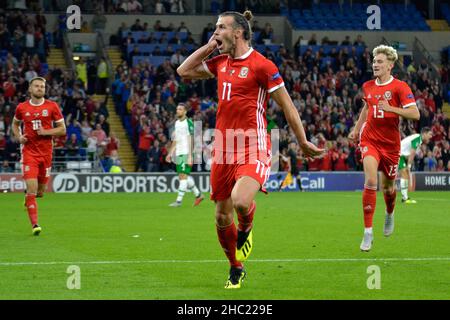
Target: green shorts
[[182, 165], [402, 163]]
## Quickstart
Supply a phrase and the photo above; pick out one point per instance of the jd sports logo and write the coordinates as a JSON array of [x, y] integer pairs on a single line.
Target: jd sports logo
[[66, 182]]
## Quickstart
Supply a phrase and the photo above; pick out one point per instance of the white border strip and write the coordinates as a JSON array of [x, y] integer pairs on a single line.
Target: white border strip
[[43, 263]]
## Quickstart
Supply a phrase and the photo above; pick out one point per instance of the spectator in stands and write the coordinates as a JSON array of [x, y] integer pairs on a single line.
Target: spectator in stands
[[175, 39], [101, 137], [102, 76], [266, 35], [359, 41], [346, 41], [209, 28], [134, 53], [5, 37], [86, 130], [170, 27], [256, 27], [157, 51], [81, 69], [163, 39], [73, 148], [144, 39], [137, 26], [183, 27], [91, 146], [430, 162], [154, 157], [85, 28], [177, 59], [157, 26], [312, 41], [104, 124], [145, 141], [112, 145], [6, 167], [131, 6], [190, 40], [159, 7]]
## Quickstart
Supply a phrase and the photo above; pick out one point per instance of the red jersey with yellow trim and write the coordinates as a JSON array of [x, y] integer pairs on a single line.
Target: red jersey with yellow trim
[[382, 128], [33, 117], [244, 84]]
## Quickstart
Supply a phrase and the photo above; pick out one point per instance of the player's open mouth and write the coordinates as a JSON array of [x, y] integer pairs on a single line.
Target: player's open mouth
[[219, 43]]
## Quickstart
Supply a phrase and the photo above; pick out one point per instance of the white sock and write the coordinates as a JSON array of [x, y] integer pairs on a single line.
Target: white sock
[[404, 188], [368, 230], [181, 190], [191, 186]]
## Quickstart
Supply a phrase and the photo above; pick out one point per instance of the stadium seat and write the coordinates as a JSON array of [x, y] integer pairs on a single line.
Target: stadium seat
[[72, 166], [85, 166]]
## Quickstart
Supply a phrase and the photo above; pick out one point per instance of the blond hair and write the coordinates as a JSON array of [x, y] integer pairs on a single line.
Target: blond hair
[[388, 51]]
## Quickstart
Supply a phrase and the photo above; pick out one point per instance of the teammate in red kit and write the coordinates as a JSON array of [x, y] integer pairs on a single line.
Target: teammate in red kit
[[241, 157], [37, 115], [386, 99]]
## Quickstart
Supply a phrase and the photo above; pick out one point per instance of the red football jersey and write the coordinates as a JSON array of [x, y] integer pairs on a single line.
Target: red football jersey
[[243, 86], [33, 117], [382, 128]]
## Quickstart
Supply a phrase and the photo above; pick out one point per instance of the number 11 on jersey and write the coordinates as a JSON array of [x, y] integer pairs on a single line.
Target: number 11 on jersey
[[224, 91]]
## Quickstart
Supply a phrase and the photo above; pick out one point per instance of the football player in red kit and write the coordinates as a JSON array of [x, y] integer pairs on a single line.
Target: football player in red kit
[[241, 158], [37, 116], [386, 99]]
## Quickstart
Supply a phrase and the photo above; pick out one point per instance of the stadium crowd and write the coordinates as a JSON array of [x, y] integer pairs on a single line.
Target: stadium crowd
[[88, 132], [325, 87]]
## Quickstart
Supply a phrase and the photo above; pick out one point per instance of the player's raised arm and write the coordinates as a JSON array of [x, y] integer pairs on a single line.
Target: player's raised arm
[[192, 67], [353, 135], [282, 98]]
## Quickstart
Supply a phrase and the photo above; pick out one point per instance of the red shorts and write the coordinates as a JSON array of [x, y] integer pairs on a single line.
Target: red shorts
[[387, 160], [224, 176], [37, 167]]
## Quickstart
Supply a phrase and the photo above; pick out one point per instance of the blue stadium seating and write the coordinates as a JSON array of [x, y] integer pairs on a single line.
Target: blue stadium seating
[[148, 48], [446, 12], [328, 16], [154, 60], [136, 35]]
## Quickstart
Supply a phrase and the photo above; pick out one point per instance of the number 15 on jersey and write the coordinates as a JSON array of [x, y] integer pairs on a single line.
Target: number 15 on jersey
[[377, 113]]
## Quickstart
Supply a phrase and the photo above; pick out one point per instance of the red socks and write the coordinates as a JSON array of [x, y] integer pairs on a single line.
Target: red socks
[[31, 204], [245, 222], [228, 241], [389, 199], [369, 200]]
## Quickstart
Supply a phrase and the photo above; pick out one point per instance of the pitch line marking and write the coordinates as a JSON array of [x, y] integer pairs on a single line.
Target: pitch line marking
[[421, 199], [7, 264]]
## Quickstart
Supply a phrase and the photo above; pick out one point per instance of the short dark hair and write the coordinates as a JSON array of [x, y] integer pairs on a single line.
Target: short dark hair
[[182, 104], [241, 21], [425, 130], [37, 78]]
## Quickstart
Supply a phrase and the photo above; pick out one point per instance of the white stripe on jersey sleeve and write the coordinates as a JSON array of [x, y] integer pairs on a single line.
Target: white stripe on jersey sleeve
[[408, 105], [207, 69], [275, 88]]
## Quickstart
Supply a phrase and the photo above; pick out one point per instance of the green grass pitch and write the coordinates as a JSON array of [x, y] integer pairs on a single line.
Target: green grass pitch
[[306, 246]]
